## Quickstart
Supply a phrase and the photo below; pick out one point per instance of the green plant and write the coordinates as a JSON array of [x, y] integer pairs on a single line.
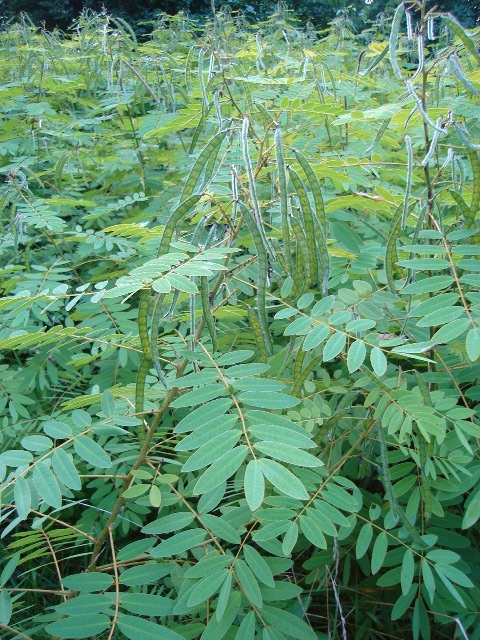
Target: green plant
[[239, 331]]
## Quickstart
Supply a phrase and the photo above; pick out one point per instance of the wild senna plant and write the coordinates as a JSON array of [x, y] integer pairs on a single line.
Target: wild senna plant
[[239, 340]]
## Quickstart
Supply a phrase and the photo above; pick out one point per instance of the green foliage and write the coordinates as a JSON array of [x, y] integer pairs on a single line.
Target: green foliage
[[239, 335]]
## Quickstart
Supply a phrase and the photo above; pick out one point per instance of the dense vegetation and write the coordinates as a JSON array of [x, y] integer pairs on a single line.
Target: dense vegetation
[[239, 333], [139, 14]]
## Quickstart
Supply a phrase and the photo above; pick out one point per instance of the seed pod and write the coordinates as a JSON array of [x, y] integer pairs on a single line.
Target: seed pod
[[378, 137], [211, 149], [282, 187], [262, 262], [393, 41], [173, 222], [258, 334], [391, 249], [154, 337], [142, 320], [251, 185], [140, 395], [207, 311], [311, 263], [303, 376]]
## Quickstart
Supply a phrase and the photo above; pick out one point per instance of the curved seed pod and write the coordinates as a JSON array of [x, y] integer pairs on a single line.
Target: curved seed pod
[[374, 63], [173, 222], [59, 166], [157, 312], [307, 218], [142, 320], [201, 79], [398, 512], [422, 449], [218, 109], [465, 139], [322, 259], [199, 128], [193, 331], [314, 186], [421, 56], [461, 203], [463, 36], [303, 258], [197, 233], [173, 304], [212, 148], [475, 162], [282, 187], [279, 255], [140, 395], [391, 249], [209, 169], [408, 189], [393, 41], [26, 254], [433, 144], [251, 184], [423, 113], [457, 70], [262, 273], [248, 106], [298, 366], [301, 379], [379, 136], [188, 72], [267, 118], [258, 334], [207, 311]]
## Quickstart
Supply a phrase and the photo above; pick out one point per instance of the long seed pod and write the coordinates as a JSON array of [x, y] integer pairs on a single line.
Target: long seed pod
[[140, 395], [212, 149], [188, 71], [172, 223], [192, 300], [262, 262], [200, 128], [462, 35], [282, 187], [314, 186], [379, 136], [375, 62], [391, 249], [319, 221], [420, 108], [457, 70], [398, 512], [303, 376], [218, 109], [408, 16], [408, 189], [258, 334], [421, 56], [201, 78], [156, 316], [393, 41], [298, 366], [433, 144], [303, 258], [207, 311], [465, 139], [423, 453], [307, 219], [475, 162], [461, 203], [142, 321], [251, 184]]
